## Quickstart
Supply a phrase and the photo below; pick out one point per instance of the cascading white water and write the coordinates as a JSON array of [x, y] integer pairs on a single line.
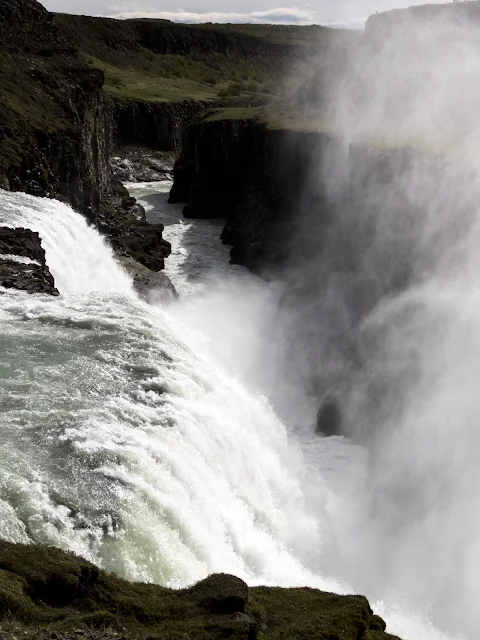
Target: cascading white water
[[120, 443], [78, 257], [132, 451]]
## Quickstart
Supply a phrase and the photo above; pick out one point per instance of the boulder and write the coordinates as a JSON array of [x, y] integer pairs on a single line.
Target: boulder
[[135, 210], [153, 287], [138, 212], [221, 594], [128, 202], [144, 243]]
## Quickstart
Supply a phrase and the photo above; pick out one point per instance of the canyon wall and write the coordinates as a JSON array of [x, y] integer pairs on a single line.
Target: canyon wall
[[55, 125], [156, 125]]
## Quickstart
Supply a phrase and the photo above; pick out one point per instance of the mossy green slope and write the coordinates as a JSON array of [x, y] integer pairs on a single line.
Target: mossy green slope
[[47, 591]]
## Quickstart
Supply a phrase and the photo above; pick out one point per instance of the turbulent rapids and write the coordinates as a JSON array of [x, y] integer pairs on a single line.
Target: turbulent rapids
[[126, 448], [122, 442]]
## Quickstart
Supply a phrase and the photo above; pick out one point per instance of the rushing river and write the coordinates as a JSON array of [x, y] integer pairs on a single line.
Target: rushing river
[[149, 440]]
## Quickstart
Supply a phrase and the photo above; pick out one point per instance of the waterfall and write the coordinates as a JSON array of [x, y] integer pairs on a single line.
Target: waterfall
[[126, 446], [78, 257], [128, 449]]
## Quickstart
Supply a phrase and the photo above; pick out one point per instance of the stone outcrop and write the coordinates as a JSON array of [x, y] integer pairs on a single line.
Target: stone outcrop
[[47, 592], [144, 242], [23, 243], [22, 262]]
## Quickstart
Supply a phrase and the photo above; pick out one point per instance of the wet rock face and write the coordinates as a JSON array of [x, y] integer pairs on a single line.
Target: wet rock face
[[144, 243], [329, 419], [22, 262], [59, 143], [153, 287], [21, 242], [31, 278]]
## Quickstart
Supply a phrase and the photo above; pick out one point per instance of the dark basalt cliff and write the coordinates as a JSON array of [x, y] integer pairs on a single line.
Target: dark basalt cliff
[[54, 123], [163, 37], [427, 17], [56, 129], [254, 176], [155, 125], [46, 593]]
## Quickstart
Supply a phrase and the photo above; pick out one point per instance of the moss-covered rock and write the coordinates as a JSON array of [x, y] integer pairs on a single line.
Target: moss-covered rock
[[47, 593]]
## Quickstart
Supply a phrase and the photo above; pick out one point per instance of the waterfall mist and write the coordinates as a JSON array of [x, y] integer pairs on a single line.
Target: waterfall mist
[[384, 313]]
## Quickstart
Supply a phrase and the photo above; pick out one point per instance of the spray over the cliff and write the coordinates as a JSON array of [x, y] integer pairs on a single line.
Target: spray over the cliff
[[387, 311]]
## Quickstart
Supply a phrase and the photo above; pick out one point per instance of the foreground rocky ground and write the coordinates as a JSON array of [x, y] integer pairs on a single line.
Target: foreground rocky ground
[[46, 593]]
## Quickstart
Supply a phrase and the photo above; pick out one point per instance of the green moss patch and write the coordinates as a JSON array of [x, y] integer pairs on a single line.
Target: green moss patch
[[45, 593]]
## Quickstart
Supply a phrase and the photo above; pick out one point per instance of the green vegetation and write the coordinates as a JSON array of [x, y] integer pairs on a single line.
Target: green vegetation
[[274, 117], [45, 592], [161, 61], [174, 78]]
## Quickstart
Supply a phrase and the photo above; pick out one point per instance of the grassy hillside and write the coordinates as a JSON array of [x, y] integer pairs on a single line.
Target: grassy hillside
[[157, 60], [175, 77]]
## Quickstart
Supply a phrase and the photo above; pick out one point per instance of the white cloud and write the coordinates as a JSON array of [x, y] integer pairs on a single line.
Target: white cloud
[[345, 13], [281, 15]]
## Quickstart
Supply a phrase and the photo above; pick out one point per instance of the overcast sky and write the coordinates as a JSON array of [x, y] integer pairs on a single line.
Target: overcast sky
[[329, 12]]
